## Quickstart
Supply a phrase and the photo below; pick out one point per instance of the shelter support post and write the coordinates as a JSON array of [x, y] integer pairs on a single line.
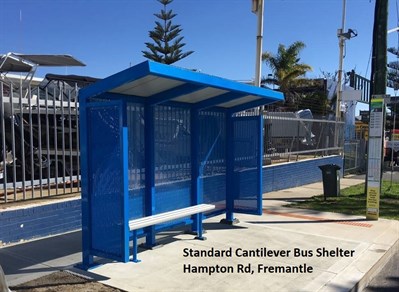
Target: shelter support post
[[125, 181], [195, 171], [87, 258], [229, 172], [149, 171]]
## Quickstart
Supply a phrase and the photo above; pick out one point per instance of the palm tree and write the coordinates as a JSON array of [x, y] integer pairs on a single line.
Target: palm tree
[[287, 70]]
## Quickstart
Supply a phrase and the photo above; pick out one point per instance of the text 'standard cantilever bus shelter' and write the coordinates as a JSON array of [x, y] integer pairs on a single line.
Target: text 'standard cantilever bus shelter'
[[157, 138]]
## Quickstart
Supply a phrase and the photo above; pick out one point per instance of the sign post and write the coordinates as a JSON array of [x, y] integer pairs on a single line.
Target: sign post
[[374, 165]]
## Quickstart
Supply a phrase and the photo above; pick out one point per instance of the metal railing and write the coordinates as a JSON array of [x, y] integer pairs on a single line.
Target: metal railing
[[39, 146], [290, 138], [39, 141]]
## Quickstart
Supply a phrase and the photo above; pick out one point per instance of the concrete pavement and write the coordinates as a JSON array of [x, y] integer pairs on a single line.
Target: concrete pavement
[[285, 249]]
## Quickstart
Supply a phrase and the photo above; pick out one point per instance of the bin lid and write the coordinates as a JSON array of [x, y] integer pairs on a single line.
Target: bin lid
[[156, 83], [329, 167]]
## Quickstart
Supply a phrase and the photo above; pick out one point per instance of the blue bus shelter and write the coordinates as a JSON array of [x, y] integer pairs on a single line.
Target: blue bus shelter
[[157, 138]]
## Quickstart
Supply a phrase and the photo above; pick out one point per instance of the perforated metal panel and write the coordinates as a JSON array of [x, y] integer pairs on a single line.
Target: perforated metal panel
[[136, 166], [247, 144], [106, 186], [212, 157], [172, 158]]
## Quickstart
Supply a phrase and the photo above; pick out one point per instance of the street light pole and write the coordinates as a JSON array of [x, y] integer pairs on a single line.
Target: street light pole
[[340, 65], [341, 62], [258, 8]]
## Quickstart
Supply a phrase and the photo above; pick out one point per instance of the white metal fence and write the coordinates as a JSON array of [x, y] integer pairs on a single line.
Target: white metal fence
[[39, 146]]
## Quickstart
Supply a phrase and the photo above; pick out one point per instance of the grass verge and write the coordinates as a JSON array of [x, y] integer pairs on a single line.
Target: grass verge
[[352, 201]]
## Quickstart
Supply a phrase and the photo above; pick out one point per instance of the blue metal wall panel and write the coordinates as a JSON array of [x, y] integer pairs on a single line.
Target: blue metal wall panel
[[106, 180], [247, 151]]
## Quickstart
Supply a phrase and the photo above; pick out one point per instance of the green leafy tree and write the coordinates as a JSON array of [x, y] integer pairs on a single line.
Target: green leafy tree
[[288, 72], [167, 43]]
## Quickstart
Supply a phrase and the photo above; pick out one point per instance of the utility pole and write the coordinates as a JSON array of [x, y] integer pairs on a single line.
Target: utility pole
[[379, 55], [377, 109]]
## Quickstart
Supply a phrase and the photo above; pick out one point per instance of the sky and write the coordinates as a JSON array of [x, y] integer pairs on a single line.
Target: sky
[[109, 35]]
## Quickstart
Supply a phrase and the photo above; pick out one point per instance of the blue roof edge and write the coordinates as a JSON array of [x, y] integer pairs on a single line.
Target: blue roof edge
[[108, 83], [178, 73]]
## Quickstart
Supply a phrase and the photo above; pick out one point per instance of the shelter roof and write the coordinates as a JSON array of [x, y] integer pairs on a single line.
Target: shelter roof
[[156, 83]]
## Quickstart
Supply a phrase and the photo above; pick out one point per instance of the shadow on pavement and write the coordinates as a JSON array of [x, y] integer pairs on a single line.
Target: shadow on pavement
[[16, 259]]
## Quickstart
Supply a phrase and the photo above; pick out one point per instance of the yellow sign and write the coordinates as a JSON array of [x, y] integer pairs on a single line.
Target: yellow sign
[[361, 126], [362, 130], [373, 202]]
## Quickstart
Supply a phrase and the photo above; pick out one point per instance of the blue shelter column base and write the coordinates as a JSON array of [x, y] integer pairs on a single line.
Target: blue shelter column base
[[200, 238], [87, 262], [150, 240], [233, 221]]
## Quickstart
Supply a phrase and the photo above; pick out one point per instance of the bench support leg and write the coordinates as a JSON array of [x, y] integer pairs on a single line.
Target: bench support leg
[[135, 247], [199, 218]]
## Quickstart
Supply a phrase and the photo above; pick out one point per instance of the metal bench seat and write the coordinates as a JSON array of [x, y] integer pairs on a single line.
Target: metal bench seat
[[168, 216], [136, 224]]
